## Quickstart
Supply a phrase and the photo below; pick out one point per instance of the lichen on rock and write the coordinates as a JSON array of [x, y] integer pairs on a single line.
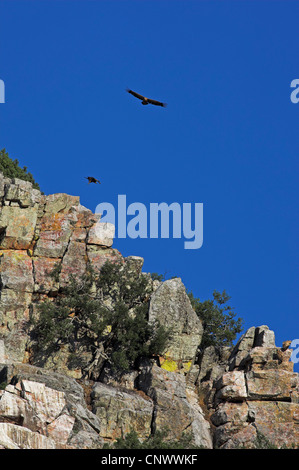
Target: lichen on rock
[[226, 398]]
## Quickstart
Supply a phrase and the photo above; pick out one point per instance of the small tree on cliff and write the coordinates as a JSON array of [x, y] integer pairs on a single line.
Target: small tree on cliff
[[104, 315], [11, 169], [218, 319]]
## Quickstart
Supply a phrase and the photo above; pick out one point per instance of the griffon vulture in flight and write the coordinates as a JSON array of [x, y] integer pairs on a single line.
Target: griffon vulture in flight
[[91, 179], [146, 100]]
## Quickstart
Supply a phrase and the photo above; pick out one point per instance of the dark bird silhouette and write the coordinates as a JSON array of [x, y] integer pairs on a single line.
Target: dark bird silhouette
[[91, 179], [145, 100]]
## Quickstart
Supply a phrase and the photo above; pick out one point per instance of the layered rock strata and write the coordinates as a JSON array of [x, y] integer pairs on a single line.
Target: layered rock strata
[[221, 398]]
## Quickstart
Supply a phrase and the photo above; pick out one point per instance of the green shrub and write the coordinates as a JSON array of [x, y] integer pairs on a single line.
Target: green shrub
[[218, 319], [262, 442], [154, 441], [106, 315], [3, 385], [11, 169]]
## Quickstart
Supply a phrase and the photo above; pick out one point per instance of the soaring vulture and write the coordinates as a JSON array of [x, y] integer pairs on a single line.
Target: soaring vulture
[[91, 179], [146, 100]]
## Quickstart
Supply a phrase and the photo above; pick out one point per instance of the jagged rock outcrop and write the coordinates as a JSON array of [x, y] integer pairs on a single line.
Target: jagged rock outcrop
[[43, 409], [255, 394], [221, 398], [172, 307]]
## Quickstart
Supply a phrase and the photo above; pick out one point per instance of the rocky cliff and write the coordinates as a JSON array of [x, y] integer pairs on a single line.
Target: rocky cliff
[[225, 399]]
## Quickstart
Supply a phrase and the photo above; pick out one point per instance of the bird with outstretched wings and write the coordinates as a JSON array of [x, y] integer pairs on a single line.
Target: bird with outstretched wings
[[145, 100], [91, 179]]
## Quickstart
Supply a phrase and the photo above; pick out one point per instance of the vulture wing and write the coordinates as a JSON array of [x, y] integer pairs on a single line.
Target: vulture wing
[[157, 103], [135, 94]]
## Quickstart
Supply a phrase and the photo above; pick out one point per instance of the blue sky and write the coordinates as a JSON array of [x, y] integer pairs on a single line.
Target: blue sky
[[228, 138]]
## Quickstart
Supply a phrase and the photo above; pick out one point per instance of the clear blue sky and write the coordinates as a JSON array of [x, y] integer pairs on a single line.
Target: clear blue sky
[[228, 138]]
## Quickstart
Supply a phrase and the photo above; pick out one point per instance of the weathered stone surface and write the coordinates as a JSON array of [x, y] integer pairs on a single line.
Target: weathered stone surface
[[231, 386], [35, 406], [3, 356], [270, 384], [18, 437], [48, 403], [22, 193], [17, 227], [278, 421], [98, 257], [267, 389], [171, 306], [264, 337], [101, 234], [120, 411], [74, 262], [43, 267], [16, 271], [83, 217], [60, 428], [54, 236], [252, 338], [213, 363], [39, 409], [14, 313], [3, 183], [175, 408], [14, 300], [79, 234], [244, 345], [60, 202], [230, 412], [236, 437]]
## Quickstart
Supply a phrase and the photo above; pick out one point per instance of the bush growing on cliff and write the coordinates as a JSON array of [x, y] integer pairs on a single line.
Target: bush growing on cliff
[[11, 169], [218, 319], [154, 441], [105, 315]]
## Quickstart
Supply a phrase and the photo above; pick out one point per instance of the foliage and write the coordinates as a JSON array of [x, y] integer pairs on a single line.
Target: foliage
[[3, 385], [154, 441], [161, 277], [104, 314], [158, 277], [218, 319], [262, 442], [11, 169]]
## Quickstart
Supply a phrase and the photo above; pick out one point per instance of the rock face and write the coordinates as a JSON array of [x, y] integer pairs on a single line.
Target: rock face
[[175, 405], [44, 410], [37, 233], [256, 394], [226, 399], [120, 411], [172, 307]]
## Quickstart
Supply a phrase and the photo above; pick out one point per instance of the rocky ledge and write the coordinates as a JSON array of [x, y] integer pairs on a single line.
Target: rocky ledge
[[222, 399]]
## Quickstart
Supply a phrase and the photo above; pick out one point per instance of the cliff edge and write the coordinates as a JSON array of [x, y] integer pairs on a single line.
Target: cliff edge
[[222, 399]]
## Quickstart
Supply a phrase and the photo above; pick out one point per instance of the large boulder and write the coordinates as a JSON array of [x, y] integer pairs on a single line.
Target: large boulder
[[170, 305]]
